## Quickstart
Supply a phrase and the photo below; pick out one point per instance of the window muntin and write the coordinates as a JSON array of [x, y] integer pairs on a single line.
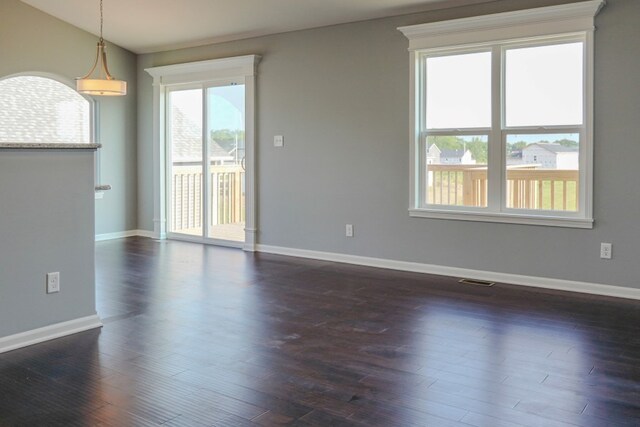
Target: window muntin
[[36, 109], [552, 189]]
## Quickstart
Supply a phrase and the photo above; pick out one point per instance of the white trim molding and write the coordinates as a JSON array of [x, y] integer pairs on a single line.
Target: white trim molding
[[251, 239], [506, 218], [146, 233], [566, 18], [123, 234], [57, 330], [494, 34], [506, 278], [203, 72]]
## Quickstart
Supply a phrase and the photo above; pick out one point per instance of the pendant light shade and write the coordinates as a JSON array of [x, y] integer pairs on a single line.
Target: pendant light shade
[[98, 80]]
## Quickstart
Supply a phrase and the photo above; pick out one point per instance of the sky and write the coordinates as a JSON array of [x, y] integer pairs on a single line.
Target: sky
[[543, 86], [225, 107]]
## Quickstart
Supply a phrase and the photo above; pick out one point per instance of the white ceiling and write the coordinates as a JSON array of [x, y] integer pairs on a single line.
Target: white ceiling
[[143, 26]]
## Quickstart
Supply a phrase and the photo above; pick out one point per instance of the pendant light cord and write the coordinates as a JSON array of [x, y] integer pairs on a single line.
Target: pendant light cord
[[101, 21]]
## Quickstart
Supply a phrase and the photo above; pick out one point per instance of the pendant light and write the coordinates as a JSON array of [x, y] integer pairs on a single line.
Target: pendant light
[[102, 83]]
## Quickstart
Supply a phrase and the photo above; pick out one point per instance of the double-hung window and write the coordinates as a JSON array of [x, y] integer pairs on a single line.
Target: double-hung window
[[502, 117]]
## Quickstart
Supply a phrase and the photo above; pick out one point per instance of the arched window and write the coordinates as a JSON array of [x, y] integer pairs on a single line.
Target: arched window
[[36, 109]]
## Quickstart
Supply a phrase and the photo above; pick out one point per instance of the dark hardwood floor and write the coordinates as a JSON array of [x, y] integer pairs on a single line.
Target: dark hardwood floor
[[206, 336]]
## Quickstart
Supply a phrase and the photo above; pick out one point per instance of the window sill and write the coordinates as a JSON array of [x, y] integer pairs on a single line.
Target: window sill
[[506, 218]]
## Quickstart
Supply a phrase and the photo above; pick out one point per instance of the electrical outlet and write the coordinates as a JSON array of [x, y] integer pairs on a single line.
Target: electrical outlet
[[278, 141], [605, 250], [348, 231], [53, 282]]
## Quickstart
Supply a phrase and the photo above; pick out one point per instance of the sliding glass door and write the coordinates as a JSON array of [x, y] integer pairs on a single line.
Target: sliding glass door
[[187, 165], [206, 155], [226, 153]]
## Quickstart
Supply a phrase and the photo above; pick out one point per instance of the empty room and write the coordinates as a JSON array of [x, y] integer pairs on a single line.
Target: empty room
[[319, 213]]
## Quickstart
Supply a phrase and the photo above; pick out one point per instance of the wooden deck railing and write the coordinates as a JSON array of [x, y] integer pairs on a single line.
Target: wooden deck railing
[[527, 187], [227, 199]]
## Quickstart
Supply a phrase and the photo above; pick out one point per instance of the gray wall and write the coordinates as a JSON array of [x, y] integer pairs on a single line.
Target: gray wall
[[47, 220], [340, 96], [34, 41]]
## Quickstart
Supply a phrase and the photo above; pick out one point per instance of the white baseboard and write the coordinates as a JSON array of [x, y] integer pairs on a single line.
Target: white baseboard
[[123, 234], [50, 332], [515, 279], [146, 233]]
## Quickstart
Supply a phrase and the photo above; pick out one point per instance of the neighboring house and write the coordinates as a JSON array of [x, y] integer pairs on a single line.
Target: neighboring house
[[456, 157], [41, 110], [551, 156], [514, 157], [186, 139], [433, 155]]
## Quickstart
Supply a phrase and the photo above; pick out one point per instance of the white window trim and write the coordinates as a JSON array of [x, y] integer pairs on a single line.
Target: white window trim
[[488, 30], [240, 67]]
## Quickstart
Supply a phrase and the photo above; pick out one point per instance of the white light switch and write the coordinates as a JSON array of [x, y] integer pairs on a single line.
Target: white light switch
[[278, 141]]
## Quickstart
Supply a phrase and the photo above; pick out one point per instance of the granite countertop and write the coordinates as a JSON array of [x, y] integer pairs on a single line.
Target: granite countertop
[[47, 146]]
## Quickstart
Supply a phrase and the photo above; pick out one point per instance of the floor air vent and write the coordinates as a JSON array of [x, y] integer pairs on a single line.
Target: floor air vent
[[476, 282]]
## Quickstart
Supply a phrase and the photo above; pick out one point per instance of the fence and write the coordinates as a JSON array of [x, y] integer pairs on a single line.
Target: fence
[[527, 187], [227, 198]]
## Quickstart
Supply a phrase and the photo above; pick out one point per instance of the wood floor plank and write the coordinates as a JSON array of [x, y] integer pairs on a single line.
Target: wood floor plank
[[207, 336]]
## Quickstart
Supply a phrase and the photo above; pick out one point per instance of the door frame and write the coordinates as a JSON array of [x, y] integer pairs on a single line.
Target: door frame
[[243, 68]]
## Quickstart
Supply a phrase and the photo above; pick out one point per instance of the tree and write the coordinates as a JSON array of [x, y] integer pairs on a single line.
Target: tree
[[477, 146], [445, 142], [228, 138], [478, 149], [516, 146], [566, 142]]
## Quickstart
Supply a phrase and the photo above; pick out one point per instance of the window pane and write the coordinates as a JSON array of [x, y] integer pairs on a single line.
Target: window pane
[[38, 109], [544, 85], [185, 140], [459, 91], [456, 170], [225, 129], [543, 171]]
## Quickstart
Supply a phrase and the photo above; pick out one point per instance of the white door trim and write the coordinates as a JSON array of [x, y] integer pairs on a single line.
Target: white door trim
[[200, 72]]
